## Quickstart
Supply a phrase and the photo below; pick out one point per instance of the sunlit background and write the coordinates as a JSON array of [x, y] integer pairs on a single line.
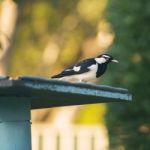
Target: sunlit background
[[42, 37]]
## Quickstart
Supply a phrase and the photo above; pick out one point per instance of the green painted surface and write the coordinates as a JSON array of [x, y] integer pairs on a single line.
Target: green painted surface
[[14, 108], [15, 135], [18, 97], [46, 93], [15, 132]]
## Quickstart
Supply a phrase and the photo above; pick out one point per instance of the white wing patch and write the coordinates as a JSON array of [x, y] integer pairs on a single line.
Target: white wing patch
[[76, 69], [68, 69], [100, 60], [87, 76]]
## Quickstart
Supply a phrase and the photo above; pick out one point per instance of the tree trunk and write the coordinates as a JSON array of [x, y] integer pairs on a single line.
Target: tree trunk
[[8, 18]]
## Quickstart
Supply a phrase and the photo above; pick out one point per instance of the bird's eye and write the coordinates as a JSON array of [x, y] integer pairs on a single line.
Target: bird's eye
[[107, 58]]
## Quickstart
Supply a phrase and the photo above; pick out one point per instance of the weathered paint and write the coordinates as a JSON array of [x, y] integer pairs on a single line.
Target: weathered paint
[[19, 96], [50, 93]]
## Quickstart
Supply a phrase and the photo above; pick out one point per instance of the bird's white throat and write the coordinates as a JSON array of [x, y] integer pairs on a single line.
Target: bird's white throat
[[100, 60]]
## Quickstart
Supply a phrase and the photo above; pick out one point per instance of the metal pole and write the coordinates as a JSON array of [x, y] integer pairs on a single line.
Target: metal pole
[[15, 128]]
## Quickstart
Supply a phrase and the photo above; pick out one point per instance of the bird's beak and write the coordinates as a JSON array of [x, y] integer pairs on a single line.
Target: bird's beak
[[115, 61]]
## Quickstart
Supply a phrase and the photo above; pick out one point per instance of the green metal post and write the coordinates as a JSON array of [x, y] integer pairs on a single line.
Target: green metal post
[[15, 131]]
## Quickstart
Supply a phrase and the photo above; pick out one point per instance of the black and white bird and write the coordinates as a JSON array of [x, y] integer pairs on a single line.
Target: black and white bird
[[86, 70]]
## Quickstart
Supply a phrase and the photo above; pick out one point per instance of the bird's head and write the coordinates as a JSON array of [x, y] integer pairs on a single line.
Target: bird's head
[[105, 58]]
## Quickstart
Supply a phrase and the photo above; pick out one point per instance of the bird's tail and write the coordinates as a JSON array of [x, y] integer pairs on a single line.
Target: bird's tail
[[56, 76]]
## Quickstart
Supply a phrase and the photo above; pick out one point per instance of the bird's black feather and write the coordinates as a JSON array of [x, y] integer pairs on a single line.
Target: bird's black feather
[[83, 68], [86, 70]]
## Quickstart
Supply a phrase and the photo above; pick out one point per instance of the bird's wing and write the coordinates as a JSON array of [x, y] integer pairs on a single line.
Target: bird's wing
[[79, 68]]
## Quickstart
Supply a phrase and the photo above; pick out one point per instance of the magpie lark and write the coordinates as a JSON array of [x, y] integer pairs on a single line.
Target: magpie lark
[[86, 70]]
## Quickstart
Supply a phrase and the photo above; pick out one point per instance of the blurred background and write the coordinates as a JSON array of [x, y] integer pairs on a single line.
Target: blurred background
[[42, 37]]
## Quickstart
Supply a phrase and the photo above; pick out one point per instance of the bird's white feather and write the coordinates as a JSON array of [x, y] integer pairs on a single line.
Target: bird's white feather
[[106, 56], [76, 69], [86, 70], [100, 60], [90, 75]]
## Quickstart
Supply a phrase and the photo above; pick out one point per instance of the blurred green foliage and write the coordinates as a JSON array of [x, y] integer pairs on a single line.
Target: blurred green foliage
[[56, 28], [50, 35], [129, 123]]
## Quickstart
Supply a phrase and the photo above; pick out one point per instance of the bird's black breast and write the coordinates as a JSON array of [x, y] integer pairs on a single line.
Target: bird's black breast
[[101, 69]]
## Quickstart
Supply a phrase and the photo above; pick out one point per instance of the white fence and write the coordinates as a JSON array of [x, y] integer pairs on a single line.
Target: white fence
[[47, 137]]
